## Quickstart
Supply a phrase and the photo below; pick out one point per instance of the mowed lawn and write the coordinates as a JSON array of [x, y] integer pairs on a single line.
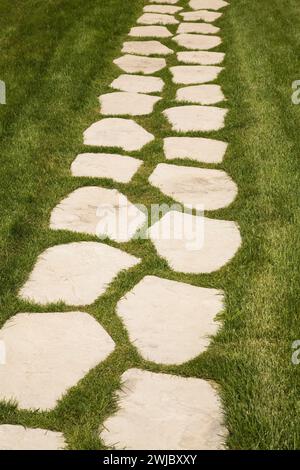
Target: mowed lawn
[[56, 58]]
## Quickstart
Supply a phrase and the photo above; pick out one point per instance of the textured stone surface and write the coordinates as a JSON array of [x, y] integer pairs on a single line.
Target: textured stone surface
[[196, 118], [200, 94], [98, 211], [202, 15], [200, 28], [138, 84], [165, 412], [200, 57], [76, 273], [146, 48], [189, 74], [137, 64], [14, 437], [150, 32], [197, 41], [47, 353], [170, 322], [156, 18], [195, 148], [127, 103], [207, 4], [167, 9], [106, 165], [195, 244], [169, 2], [116, 132]]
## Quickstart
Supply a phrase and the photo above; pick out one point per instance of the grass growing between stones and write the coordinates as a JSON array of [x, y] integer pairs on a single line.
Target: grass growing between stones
[[56, 59]]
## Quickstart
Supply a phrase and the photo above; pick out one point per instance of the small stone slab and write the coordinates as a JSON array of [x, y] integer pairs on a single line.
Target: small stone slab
[[197, 41], [166, 9], [150, 32], [146, 48], [196, 118], [165, 412], [201, 94], [195, 148], [75, 273], [199, 28], [169, 2], [127, 103], [14, 437], [120, 168], [47, 354], [189, 74], [170, 322], [117, 132], [137, 64], [195, 244], [200, 57], [207, 4], [98, 211], [201, 15], [156, 18], [138, 84]]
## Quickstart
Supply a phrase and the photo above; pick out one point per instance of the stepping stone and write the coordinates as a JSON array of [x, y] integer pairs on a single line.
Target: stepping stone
[[189, 74], [201, 94], [156, 18], [200, 57], [198, 188], [47, 354], [106, 165], [170, 322], [98, 211], [195, 244], [196, 118], [116, 132], [137, 64], [138, 84], [209, 4], [76, 273], [14, 437], [146, 48], [195, 148], [167, 9], [169, 2], [127, 103], [150, 32], [200, 28], [197, 41], [202, 15], [165, 412]]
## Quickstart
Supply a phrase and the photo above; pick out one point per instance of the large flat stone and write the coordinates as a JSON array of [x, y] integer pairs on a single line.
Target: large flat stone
[[47, 354], [138, 64], [150, 32], [207, 4], [199, 28], [76, 273], [138, 84], [201, 15], [127, 103], [14, 437], [146, 48], [156, 18], [169, 2], [106, 165], [196, 118], [98, 211], [200, 57], [189, 74], [200, 94], [197, 41], [195, 148], [170, 322], [167, 9], [165, 412], [116, 132], [195, 244]]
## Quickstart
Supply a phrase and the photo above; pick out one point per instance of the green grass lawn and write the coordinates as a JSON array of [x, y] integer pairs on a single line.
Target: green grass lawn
[[56, 58]]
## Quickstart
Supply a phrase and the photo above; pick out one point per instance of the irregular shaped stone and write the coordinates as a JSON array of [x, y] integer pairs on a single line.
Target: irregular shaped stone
[[127, 103], [201, 15], [106, 165], [146, 48], [208, 4], [164, 329], [165, 412], [200, 28], [137, 64], [167, 9], [156, 18], [47, 353], [197, 41], [98, 211], [188, 74], [169, 2], [117, 132], [195, 148], [76, 273], [200, 57], [196, 118], [138, 84], [150, 32], [14, 437], [201, 94]]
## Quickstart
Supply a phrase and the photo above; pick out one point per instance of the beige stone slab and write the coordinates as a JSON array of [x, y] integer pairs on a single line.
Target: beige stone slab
[[156, 18], [200, 94], [138, 84], [47, 354], [196, 118], [170, 322], [75, 273], [195, 244], [138, 64], [197, 41], [195, 148], [124, 103], [165, 412], [169, 2], [201, 15], [193, 74], [98, 211], [207, 4], [117, 132], [13, 437], [150, 32], [200, 57], [166, 9], [198, 28], [120, 168], [146, 48]]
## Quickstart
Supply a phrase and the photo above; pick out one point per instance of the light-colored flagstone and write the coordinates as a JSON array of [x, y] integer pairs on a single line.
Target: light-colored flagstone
[[207, 4], [47, 353], [201, 15], [13, 437], [156, 18], [75, 273], [138, 64], [169, 2], [146, 48], [138, 84], [193, 74], [195, 148], [170, 322], [150, 32], [200, 57], [197, 41], [117, 132], [199, 28], [167, 9], [165, 412], [196, 118], [120, 168], [200, 94], [127, 103]]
